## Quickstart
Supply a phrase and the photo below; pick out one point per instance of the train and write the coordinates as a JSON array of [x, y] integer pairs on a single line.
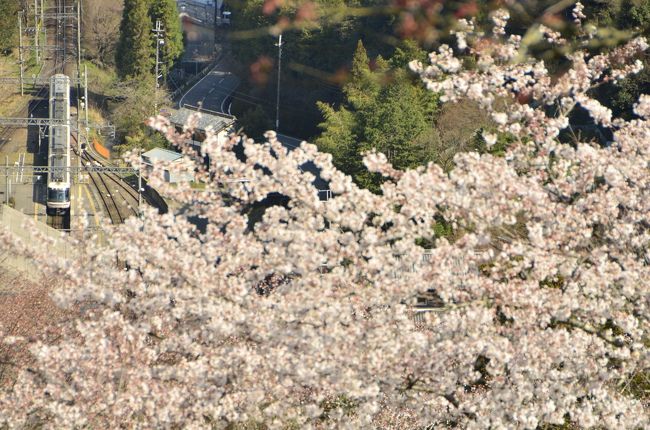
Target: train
[[58, 179]]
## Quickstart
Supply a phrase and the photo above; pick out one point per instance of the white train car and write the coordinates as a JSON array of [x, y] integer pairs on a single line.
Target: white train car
[[58, 180]]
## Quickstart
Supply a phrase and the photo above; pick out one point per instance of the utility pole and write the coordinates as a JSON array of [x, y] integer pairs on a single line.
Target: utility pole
[[43, 26], [20, 52], [217, 18], [159, 34], [277, 102], [140, 182], [36, 29]]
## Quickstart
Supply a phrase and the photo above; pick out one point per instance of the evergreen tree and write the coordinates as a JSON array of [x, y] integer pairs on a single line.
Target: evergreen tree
[[407, 51], [395, 120], [135, 51], [167, 12], [339, 138], [387, 109], [363, 86], [8, 25]]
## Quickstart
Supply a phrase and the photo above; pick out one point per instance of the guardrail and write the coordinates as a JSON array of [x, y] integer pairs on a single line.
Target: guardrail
[[194, 79]]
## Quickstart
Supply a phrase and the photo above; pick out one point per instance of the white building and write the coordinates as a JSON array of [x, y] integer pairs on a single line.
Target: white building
[[165, 155]]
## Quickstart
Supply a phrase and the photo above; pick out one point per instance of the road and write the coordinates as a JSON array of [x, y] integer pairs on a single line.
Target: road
[[213, 92], [201, 12]]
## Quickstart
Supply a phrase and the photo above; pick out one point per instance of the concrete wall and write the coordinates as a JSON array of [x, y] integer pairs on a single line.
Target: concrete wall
[[22, 226]]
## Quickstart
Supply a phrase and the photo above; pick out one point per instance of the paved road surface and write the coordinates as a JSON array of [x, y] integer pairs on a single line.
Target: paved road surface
[[289, 142], [201, 12], [213, 92]]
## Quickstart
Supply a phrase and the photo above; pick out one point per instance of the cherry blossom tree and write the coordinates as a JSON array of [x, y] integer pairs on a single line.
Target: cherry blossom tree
[[306, 318]]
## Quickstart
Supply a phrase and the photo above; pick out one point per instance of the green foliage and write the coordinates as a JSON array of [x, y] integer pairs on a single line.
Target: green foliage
[[556, 282], [339, 138], [341, 402], [8, 25], [408, 50], [386, 109], [458, 128], [397, 116], [144, 139], [479, 145], [102, 80], [622, 14], [442, 228], [167, 12], [135, 48], [363, 85], [128, 116], [634, 16]]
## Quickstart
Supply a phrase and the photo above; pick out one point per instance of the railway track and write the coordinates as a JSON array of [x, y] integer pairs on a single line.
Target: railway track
[[24, 112], [122, 183], [58, 61], [58, 220], [118, 198], [108, 199]]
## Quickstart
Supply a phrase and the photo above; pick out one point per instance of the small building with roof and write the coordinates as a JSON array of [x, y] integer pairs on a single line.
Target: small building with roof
[[222, 125], [165, 155]]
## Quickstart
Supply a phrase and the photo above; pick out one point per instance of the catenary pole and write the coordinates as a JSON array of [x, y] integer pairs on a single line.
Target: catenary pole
[[79, 61], [36, 29], [20, 52], [86, 92], [79, 38], [79, 97]]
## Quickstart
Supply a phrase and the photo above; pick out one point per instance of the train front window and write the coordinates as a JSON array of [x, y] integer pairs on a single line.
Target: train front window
[[58, 195]]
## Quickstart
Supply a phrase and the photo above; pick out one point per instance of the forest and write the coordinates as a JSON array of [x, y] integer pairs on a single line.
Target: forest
[[345, 81], [348, 87]]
